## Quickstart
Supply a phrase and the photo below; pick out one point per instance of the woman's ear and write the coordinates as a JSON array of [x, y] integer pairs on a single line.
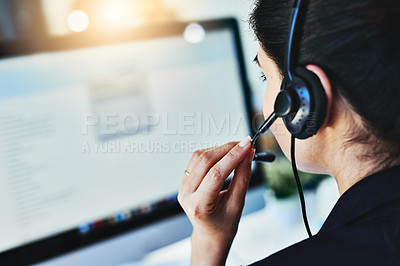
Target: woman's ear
[[326, 84]]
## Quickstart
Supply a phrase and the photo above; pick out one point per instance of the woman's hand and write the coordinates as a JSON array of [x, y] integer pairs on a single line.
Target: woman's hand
[[215, 214]]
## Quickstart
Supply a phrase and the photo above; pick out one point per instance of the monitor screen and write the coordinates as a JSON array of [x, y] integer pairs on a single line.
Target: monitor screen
[[96, 136]]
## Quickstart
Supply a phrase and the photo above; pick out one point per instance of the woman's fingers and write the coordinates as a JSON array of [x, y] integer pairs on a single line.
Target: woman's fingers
[[186, 179], [213, 181], [204, 162], [240, 182], [195, 157]]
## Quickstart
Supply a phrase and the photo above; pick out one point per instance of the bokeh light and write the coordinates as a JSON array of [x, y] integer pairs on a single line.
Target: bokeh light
[[78, 21], [115, 11], [194, 33]]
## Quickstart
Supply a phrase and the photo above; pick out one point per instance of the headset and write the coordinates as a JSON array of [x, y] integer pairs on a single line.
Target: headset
[[301, 102]]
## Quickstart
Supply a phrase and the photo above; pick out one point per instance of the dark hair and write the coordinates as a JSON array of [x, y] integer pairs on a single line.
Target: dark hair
[[357, 43]]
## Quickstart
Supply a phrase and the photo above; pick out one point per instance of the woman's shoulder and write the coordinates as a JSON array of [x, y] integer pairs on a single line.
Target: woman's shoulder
[[374, 241], [362, 229]]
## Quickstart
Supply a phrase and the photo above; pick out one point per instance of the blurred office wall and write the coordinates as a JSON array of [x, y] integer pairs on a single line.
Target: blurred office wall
[[20, 19]]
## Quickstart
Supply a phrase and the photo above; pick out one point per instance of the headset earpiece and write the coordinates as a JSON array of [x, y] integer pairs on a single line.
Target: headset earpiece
[[310, 103]]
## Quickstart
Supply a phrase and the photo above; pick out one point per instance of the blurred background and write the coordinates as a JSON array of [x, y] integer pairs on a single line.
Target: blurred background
[[21, 19], [274, 225]]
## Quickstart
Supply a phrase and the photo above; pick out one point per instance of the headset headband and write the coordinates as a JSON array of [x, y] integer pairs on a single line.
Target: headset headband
[[289, 54]]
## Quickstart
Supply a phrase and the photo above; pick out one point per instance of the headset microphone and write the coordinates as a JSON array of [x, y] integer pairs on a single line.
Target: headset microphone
[[264, 157]]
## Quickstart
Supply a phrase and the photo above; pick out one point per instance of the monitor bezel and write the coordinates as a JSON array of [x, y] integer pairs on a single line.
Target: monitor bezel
[[72, 240]]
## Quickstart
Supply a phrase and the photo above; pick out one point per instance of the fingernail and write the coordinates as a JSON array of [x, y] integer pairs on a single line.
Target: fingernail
[[246, 141]]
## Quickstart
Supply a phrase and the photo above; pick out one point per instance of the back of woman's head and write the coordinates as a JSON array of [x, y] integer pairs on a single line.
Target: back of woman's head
[[357, 43]]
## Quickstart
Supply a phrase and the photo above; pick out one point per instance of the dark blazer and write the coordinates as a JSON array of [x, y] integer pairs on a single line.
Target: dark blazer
[[362, 229]]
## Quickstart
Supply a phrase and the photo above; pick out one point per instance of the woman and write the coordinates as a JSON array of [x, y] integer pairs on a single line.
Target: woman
[[354, 49]]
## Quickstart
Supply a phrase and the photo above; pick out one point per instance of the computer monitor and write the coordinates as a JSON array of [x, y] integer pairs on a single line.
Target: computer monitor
[[96, 131]]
